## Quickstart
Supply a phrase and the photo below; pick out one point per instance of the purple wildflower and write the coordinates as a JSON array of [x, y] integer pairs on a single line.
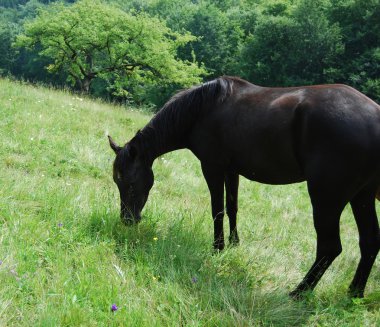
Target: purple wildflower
[[1, 262], [114, 307], [60, 224], [194, 279]]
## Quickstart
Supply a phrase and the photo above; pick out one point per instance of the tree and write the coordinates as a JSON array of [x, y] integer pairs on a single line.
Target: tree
[[12, 3], [8, 31], [91, 40], [11, 21], [216, 24], [292, 45], [219, 38], [360, 24]]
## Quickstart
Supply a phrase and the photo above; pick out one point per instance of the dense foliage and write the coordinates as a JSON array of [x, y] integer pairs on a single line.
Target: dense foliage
[[124, 51], [269, 42]]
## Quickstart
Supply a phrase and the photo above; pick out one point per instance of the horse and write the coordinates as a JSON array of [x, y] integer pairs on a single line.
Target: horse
[[326, 135]]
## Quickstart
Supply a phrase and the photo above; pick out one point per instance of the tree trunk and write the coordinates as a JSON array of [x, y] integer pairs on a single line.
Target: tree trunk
[[85, 85]]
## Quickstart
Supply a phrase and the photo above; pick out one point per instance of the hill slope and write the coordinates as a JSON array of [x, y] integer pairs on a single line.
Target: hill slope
[[66, 257]]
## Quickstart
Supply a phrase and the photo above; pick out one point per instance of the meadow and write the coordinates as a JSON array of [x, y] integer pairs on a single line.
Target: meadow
[[66, 258]]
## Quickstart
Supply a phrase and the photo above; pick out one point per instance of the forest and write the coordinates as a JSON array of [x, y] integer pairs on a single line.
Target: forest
[[142, 51]]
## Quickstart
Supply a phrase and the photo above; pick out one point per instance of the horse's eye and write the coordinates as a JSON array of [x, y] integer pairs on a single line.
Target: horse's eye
[[117, 177]]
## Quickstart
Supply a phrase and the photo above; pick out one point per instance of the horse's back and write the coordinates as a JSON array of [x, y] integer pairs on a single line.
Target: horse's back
[[275, 135]]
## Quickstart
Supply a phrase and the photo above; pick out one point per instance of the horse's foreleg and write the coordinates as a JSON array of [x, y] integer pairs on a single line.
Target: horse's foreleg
[[363, 208], [215, 182], [232, 186], [326, 215]]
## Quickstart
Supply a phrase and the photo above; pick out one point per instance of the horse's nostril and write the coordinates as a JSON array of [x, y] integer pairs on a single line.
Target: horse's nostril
[[128, 221]]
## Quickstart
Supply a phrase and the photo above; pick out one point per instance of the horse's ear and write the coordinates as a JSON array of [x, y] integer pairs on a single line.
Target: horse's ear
[[113, 145]]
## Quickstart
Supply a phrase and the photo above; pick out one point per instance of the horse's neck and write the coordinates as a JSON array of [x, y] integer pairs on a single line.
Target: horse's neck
[[168, 129], [157, 141]]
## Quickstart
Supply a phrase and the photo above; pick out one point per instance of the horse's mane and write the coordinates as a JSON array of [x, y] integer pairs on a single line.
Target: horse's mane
[[187, 105], [180, 113], [199, 96]]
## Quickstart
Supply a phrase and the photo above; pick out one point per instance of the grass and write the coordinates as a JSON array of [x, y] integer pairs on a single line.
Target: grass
[[66, 257]]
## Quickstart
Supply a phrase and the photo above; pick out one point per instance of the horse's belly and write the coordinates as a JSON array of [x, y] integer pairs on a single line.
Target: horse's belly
[[272, 173], [274, 180]]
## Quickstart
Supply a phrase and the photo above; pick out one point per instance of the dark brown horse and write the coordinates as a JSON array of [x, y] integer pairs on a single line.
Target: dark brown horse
[[327, 135]]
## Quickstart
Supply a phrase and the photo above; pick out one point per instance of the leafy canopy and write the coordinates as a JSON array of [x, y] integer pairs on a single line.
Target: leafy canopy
[[92, 40], [269, 42], [292, 45]]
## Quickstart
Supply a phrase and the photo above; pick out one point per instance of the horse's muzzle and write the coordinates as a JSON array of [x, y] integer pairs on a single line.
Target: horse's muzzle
[[130, 221], [129, 218]]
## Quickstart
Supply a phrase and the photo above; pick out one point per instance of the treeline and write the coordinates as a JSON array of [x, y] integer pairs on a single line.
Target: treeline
[[143, 50]]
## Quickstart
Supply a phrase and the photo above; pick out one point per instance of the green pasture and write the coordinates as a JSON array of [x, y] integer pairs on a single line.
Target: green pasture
[[66, 258]]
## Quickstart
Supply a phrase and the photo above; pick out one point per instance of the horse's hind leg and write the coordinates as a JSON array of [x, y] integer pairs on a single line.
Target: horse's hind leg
[[326, 215], [232, 186], [363, 207]]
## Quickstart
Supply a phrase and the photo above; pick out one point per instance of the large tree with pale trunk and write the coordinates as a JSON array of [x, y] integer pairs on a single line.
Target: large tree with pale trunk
[[91, 39]]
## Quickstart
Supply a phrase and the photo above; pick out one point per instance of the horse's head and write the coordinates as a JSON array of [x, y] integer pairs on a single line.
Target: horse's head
[[134, 178]]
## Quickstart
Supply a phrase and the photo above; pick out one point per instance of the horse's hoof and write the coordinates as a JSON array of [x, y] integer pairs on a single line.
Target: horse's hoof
[[234, 241], [297, 295], [355, 293], [218, 247]]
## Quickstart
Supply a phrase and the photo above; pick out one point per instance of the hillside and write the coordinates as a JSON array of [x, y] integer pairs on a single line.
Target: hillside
[[65, 257]]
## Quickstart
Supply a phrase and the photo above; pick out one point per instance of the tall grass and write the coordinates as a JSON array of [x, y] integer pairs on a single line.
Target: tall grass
[[66, 257]]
